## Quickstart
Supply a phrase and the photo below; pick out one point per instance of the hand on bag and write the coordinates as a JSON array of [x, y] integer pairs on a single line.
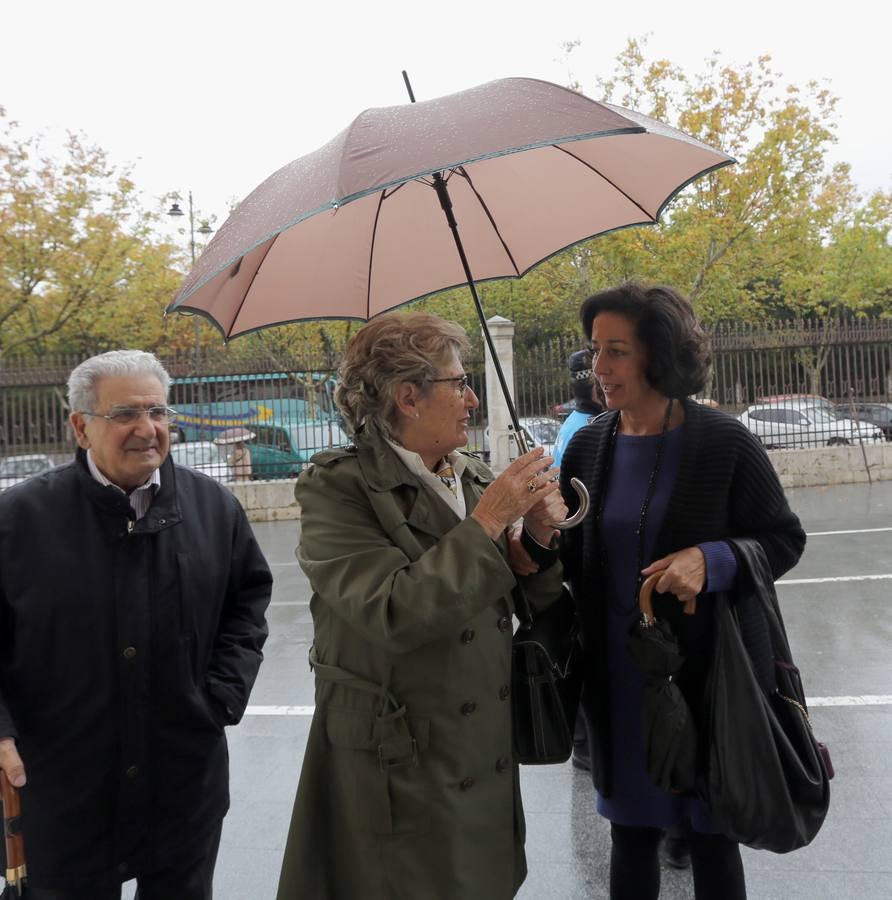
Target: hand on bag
[[684, 573], [521, 486], [11, 763], [520, 561]]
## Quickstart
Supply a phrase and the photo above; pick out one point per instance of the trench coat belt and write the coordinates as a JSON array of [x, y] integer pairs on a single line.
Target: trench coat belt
[[396, 745]]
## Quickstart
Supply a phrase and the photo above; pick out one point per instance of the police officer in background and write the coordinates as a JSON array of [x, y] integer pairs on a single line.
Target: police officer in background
[[584, 390]]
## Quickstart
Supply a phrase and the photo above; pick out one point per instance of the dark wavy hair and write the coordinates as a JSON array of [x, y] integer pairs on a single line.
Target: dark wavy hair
[[678, 351]]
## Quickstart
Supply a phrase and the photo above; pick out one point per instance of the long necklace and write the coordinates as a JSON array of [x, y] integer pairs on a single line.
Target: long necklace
[[642, 516]]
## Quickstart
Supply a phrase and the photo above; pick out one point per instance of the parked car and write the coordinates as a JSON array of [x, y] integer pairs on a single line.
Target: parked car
[[539, 431], [795, 424], [205, 456], [14, 469], [798, 401], [879, 414]]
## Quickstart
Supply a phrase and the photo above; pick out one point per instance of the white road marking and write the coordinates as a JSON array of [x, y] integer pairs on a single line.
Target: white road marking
[[853, 531], [787, 581], [865, 700], [279, 711]]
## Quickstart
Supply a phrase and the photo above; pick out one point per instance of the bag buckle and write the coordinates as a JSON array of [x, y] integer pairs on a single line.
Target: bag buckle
[[399, 753]]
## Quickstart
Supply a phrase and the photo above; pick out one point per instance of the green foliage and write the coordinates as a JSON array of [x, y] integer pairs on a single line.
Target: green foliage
[[79, 269], [781, 234]]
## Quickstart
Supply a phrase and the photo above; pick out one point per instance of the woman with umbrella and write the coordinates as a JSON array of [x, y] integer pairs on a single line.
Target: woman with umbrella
[[238, 456], [408, 787], [671, 482]]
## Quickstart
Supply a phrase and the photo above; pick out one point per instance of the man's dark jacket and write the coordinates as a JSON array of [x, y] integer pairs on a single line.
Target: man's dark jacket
[[726, 488], [125, 647]]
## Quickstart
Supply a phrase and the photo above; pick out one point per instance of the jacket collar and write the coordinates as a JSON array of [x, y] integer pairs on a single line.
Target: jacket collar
[[163, 512], [384, 472]]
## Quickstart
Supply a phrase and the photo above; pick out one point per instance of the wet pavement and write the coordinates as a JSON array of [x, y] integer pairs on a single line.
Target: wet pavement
[[841, 636]]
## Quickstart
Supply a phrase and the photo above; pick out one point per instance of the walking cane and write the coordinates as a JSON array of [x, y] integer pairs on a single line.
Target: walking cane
[[16, 871]]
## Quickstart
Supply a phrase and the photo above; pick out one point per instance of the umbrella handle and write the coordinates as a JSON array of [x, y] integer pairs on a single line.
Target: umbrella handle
[[580, 514], [645, 602], [12, 829], [575, 483]]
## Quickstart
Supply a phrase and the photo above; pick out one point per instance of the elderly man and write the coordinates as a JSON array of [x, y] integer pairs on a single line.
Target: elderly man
[[132, 616]]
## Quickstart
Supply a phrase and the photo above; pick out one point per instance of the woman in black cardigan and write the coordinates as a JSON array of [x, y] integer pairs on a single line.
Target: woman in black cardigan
[[670, 482]]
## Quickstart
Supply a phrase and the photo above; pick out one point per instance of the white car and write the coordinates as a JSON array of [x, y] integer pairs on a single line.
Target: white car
[[796, 424], [204, 456], [540, 431], [14, 469]]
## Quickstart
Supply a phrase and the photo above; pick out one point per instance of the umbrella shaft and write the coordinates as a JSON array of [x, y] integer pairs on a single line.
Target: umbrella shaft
[[446, 204]]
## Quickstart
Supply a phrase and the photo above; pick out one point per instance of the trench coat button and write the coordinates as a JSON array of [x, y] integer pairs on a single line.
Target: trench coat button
[[504, 623], [132, 772], [467, 636], [503, 764], [129, 652], [468, 708], [466, 783], [504, 692]]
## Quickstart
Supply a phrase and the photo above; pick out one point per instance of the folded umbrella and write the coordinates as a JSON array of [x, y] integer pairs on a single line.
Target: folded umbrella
[[16, 870], [667, 726]]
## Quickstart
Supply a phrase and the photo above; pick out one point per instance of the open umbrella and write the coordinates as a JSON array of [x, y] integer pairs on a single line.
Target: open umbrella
[[667, 727], [356, 228], [16, 870], [236, 435]]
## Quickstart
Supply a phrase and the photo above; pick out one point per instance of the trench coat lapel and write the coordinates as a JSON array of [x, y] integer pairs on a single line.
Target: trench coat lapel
[[399, 496]]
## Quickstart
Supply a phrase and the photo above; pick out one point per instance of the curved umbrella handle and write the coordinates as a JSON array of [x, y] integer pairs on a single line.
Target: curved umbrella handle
[[580, 513], [645, 602], [523, 446]]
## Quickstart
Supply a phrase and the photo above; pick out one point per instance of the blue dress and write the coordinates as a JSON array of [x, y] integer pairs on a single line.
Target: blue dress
[[635, 800]]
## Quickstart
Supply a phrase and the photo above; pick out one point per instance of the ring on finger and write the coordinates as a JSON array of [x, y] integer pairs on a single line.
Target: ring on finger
[[531, 485]]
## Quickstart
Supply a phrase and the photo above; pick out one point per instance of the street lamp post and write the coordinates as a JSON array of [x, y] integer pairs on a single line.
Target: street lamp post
[[204, 228]]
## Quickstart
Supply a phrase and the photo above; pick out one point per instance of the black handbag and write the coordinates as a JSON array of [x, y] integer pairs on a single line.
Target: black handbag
[[546, 683], [766, 779]]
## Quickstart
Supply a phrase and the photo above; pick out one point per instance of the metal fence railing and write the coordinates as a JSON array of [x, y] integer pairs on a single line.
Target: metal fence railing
[[804, 384]]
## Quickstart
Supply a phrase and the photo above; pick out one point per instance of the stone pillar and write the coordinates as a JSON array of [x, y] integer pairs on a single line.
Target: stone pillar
[[501, 447]]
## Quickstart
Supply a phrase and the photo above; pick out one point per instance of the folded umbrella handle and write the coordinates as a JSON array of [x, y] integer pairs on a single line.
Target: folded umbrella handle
[[645, 601]]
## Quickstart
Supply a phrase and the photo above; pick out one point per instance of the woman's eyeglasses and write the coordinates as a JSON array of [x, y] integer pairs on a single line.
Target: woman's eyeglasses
[[461, 383]]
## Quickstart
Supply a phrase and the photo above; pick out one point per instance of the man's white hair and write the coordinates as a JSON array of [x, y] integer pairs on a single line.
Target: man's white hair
[[115, 364]]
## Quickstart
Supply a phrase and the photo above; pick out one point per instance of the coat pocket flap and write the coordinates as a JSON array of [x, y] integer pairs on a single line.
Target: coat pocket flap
[[353, 729]]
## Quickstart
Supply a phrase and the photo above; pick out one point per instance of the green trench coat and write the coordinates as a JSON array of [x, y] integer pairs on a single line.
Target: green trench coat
[[421, 801]]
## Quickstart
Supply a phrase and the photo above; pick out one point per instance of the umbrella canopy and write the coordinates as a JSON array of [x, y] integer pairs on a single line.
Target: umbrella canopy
[[356, 228], [236, 435], [667, 726]]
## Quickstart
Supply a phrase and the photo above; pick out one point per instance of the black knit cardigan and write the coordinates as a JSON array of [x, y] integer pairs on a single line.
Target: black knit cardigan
[[726, 488]]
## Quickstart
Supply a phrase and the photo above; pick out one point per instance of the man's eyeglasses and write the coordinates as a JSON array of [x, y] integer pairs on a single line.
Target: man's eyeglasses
[[461, 383], [129, 415]]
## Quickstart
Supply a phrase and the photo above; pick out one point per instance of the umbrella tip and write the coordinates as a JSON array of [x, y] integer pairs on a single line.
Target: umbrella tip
[[408, 86]]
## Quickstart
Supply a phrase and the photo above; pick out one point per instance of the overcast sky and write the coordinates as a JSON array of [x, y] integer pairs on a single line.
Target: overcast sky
[[213, 97]]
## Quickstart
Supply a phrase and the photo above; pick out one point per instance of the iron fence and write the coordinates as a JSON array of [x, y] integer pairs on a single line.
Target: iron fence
[[844, 365]]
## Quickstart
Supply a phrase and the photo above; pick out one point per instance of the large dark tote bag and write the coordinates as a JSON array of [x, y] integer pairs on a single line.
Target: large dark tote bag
[[546, 683], [766, 779]]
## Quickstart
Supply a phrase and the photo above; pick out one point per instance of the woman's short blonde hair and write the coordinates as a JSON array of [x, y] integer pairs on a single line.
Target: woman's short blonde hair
[[392, 349]]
